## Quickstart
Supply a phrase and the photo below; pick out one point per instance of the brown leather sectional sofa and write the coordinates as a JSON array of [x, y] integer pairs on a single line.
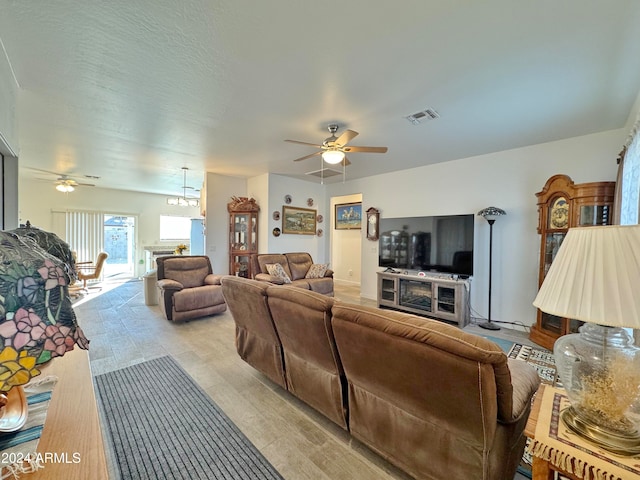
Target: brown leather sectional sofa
[[435, 401], [296, 265]]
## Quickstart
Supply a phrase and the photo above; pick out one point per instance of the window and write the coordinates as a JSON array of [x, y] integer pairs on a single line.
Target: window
[[175, 228], [630, 194]]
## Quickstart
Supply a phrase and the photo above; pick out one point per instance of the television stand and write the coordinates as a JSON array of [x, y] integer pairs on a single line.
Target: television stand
[[439, 297]]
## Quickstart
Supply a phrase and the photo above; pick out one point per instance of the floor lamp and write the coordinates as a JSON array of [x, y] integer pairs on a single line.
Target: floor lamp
[[490, 214]]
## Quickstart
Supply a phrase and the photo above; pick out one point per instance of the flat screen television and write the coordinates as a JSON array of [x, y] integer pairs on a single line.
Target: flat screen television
[[442, 244]]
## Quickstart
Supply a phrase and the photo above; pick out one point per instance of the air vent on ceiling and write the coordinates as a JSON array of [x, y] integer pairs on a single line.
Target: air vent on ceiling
[[423, 116], [324, 173]]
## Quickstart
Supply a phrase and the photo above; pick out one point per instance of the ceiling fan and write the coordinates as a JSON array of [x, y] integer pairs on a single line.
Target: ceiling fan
[[334, 149], [66, 184]]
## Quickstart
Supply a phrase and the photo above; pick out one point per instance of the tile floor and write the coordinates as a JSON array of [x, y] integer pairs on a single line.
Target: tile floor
[[299, 442]]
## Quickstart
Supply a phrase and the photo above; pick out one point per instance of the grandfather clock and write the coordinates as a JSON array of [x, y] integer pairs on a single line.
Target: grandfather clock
[[562, 205]]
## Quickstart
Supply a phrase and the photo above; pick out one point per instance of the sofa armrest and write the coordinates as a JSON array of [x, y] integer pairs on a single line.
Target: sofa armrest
[[328, 273], [167, 284], [265, 277], [525, 381], [213, 279]]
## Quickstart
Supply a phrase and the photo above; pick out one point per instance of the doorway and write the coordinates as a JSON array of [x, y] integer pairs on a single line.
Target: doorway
[[346, 245], [119, 243]]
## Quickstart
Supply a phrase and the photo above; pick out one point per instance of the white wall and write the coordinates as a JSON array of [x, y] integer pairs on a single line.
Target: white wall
[[8, 145], [508, 180], [346, 245], [274, 188], [220, 189], [37, 200], [8, 100], [258, 189]]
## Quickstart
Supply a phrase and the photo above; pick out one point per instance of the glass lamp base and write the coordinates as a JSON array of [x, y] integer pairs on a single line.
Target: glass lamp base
[[621, 444]]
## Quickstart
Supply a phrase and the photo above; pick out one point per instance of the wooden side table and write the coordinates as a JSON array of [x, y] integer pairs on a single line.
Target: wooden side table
[[540, 469], [71, 441], [586, 455]]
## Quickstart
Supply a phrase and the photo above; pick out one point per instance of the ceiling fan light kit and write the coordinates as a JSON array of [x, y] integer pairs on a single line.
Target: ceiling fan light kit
[[64, 188], [333, 157]]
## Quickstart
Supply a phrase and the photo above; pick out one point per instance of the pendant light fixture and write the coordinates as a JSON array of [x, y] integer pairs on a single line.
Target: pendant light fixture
[[183, 201]]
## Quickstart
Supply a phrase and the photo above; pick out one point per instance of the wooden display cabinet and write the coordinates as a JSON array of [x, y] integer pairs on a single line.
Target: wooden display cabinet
[[243, 235], [562, 205]]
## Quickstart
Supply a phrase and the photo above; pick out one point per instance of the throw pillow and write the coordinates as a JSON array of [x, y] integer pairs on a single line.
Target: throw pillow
[[317, 270], [277, 270]]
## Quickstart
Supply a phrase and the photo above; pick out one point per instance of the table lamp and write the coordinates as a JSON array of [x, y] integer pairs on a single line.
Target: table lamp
[[37, 321], [595, 278]]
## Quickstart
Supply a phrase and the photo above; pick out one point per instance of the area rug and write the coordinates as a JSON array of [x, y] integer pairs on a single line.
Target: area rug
[[163, 425], [540, 359]]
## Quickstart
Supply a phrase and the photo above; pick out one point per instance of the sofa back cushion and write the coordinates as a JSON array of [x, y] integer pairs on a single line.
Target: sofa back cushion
[[417, 384], [189, 270], [313, 369], [257, 341], [265, 259], [299, 264]]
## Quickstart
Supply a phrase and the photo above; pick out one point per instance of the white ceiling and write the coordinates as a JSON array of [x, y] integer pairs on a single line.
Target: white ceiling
[[131, 91]]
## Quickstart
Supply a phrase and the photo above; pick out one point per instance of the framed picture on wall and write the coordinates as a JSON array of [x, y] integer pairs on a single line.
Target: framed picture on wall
[[301, 221], [348, 216]]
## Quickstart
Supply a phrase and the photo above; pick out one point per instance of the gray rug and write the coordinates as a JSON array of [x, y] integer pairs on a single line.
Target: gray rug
[[163, 425]]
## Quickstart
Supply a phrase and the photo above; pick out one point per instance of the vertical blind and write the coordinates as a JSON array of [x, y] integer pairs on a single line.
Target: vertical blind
[[627, 211], [84, 232]]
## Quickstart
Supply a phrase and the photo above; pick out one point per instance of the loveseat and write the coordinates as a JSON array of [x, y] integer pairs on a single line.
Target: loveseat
[[187, 287], [298, 270], [435, 401]]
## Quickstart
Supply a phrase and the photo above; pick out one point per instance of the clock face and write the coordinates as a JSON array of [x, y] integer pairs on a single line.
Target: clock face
[[372, 225], [559, 214]]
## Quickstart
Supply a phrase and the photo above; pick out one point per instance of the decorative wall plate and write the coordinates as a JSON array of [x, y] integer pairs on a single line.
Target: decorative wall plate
[[276, 232], [310, 202], [276, 215], [287, 199], [320, 232], [319, 219]]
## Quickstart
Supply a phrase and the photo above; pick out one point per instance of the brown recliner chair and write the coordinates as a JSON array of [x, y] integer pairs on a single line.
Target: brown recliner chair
[[435, 401], [188, 288], [312, 366], [257, 340]]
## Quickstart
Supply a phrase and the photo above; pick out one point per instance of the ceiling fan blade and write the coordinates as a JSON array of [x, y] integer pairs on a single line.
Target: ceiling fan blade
[[43, 171], [366, 149], [345, 162], [307, 156], [346, 137], [85, 184], [304, 143]]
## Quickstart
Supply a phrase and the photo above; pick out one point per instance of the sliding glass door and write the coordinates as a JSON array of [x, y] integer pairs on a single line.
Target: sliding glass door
[[119, 243]]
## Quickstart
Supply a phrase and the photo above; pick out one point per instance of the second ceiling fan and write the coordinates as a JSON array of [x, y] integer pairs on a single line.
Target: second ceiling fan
[[334, 149]]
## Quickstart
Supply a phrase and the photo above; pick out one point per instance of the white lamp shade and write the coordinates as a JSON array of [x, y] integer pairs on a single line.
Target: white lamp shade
[[333, 157], [595, 277]]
